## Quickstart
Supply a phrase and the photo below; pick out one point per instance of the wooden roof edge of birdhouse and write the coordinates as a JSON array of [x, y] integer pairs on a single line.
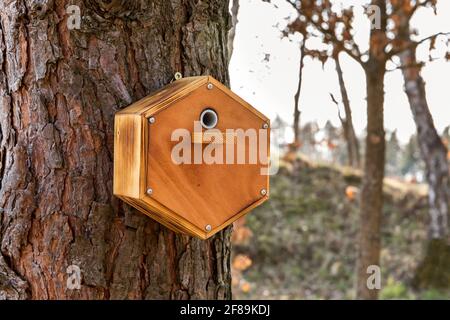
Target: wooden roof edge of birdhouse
[[178, 89], [237, 98], [164, 96]]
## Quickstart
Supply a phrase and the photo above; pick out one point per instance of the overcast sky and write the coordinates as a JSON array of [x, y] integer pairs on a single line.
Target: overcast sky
[[264, 70]]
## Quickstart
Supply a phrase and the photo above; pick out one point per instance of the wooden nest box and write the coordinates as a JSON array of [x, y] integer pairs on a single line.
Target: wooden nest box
[[178, 156]]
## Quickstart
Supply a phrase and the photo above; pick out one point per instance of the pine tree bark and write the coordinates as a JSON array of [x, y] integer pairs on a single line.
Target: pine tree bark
[[371, 206], [354, 157], [434, 270], [234, 21], [59, 90]]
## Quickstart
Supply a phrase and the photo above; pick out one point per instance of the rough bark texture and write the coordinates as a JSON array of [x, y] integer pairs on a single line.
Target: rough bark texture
[[372, 187], [59, 90], [434, 271], [234, 21], [354, 157]]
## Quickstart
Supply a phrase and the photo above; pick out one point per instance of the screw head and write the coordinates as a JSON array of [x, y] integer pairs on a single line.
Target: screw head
[[151, 120], [265, 126], [208, 227], [263, 192], [149, 191], [178, 75], [210, 86]]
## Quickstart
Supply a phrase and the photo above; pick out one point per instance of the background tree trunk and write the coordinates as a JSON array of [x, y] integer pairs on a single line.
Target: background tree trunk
[[296, 125], [354, 157], [59, 90], [372, 186], [434, 271]]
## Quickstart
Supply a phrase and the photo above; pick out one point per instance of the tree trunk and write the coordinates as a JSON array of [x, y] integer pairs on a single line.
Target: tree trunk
[[296, 125], [434, 271], [234, 21], [59, 90], [372, 187], [354, 157]]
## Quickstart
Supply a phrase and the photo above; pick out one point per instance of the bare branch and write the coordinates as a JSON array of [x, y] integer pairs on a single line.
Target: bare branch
[[331, 36], [403, 67], [414, 44], [333, 99], [414, 65]]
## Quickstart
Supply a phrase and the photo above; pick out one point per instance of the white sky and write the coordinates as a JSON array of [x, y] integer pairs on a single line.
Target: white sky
[[270, 86]]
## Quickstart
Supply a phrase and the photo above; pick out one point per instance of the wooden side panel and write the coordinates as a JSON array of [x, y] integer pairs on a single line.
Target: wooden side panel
[[127, 154]]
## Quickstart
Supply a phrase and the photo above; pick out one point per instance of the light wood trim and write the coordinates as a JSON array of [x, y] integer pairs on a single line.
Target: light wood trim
[[163, 95], [127, 155], [179, 94]]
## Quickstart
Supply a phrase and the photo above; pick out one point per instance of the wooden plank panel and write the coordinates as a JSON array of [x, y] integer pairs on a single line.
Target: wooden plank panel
[[127, 155], [202, 194]]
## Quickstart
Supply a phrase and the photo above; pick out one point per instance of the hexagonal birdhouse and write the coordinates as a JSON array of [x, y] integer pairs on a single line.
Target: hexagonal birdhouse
[[193, 156]]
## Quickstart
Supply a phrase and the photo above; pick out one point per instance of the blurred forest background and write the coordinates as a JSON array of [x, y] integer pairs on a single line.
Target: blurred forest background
[[363, 142]]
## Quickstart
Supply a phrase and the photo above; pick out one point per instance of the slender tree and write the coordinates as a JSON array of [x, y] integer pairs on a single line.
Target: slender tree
[[296, 124], [354, 157], [301, 29], [60, 86], [334, 26], [434, 271], [323, 56]]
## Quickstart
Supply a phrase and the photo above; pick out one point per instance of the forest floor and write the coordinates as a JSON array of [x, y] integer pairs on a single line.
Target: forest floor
[[301, 244]]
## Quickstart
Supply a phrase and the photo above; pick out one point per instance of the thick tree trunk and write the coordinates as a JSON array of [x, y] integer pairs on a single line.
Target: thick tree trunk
[[234, 21], [59, 90], [372, 187], [354, 157], [434, 271]]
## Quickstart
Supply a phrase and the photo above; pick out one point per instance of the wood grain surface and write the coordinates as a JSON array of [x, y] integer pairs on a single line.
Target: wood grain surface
[[187, 197]]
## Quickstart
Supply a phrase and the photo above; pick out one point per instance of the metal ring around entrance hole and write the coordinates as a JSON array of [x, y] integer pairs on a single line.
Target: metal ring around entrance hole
[[209, 118]]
